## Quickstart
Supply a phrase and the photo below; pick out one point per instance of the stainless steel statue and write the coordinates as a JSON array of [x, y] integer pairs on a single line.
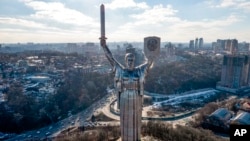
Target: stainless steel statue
[[129, 81]]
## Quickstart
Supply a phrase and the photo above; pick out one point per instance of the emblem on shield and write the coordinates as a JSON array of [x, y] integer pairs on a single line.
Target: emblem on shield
[[152, 47]]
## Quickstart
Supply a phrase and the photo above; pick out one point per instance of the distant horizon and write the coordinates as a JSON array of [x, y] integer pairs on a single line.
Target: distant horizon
[[108, 42], [23, 43], [57, 21]]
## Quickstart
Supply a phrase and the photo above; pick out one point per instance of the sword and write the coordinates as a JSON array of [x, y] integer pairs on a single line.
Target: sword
[[102, 13]]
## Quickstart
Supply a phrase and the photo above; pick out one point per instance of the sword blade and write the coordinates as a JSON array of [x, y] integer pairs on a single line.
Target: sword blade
[[102, 10]]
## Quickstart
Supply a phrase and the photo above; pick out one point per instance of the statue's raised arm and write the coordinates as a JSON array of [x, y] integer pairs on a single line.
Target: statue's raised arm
[[107, 52]]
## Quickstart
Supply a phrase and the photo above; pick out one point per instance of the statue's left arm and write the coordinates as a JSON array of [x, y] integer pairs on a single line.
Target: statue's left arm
[[146, 66], [144, 69]]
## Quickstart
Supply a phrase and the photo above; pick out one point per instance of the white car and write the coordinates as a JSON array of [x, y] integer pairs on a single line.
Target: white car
[[48, 133]]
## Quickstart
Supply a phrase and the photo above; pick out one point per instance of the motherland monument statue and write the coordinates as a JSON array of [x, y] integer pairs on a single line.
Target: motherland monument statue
[[129, 83]]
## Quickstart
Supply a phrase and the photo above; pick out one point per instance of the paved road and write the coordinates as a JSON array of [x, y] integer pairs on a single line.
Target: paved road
[[106, 111], [80, 119], [72, 121]]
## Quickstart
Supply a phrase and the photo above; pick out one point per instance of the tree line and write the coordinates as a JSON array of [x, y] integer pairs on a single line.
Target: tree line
[[23, 112], [194, 72]]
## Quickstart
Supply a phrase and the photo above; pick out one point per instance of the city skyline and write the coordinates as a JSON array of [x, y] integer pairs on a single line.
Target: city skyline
[[126, 20]]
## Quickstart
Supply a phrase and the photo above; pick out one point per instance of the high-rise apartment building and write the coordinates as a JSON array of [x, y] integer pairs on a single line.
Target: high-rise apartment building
[[227, 44], [72, 47], [201, 43], [170, 49], [235, 72], [191, 44], [91, 48], [196, 43], [230, 46], [234, 46]]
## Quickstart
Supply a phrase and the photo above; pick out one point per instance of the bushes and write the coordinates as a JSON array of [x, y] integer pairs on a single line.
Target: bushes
[[167, 132], [156, 129], [101, 134]]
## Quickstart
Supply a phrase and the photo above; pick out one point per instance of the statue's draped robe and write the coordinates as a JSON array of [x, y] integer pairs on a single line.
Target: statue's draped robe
[[131, 89]]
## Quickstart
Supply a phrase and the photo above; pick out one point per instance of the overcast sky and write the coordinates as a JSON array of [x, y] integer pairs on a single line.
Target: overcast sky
[[126, 20]]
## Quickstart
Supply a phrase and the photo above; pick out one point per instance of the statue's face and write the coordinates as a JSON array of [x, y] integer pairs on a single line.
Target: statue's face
[[130, 62]]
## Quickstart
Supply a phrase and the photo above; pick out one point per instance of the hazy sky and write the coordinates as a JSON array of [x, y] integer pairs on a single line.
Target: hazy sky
[[126, 20]]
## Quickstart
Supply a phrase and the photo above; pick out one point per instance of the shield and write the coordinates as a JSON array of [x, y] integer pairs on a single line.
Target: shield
[[152, 47]]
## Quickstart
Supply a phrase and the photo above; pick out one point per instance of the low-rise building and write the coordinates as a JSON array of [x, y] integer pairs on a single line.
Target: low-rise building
[[220, 118], [243, 118]]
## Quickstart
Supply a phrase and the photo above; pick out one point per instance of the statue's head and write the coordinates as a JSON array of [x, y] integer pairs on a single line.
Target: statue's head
[[130, 60]]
